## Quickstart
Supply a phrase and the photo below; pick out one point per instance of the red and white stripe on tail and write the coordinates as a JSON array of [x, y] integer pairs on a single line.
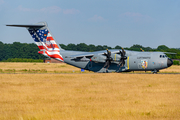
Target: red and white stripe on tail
[[46, 43]]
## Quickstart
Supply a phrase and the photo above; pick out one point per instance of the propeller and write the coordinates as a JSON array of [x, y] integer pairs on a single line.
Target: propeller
[[141, 50], [123, 57], [108, 59]]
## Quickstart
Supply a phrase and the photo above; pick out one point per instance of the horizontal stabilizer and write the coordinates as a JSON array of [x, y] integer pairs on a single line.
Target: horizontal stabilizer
[[30, 26], [170, 53]]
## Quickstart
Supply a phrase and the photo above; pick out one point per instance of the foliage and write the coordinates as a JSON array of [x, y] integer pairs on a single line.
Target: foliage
[[30, 51], [175, 62], [22, 60], [162, 48], [19, 50], [136, 47]]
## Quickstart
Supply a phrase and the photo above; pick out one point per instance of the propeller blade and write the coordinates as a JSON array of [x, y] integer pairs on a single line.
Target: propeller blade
[[120, 53], [108, 53], [123, 57], [123, 52], [108, 62], [120, 63], [108, 59]]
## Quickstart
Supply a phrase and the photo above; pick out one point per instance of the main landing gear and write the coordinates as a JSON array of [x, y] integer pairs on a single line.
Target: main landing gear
[[155, 71]]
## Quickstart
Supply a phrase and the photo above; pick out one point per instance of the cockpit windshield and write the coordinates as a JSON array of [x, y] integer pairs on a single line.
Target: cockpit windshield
[[163, 56]]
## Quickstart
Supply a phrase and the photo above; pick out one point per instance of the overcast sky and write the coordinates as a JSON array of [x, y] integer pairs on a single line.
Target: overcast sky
[[99, 22]]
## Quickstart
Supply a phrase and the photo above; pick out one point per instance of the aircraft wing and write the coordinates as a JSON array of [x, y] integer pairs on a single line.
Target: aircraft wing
[[81, 57], [88, 55]]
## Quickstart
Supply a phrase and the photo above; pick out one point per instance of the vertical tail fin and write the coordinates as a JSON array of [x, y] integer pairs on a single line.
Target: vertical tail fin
[[44, 40]]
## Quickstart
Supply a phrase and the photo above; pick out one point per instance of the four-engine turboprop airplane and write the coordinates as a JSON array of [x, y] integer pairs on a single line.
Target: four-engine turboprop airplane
[[99, 61]]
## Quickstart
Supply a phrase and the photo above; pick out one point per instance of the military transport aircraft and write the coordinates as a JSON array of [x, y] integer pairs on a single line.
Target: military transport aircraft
[[99, 61]]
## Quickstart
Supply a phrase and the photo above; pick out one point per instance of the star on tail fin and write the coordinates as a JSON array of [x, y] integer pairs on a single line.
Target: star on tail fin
[[44, 40]]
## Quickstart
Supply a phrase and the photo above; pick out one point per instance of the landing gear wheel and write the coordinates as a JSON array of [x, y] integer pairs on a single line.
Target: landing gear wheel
[[155, 71]]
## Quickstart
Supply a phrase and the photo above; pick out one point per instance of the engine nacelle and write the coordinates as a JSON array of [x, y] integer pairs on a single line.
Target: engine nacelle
[[102, 58], [99, 58], [115, 57]]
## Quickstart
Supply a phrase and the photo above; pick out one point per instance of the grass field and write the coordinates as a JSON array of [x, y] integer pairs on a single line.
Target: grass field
[[36, 68], [12, 67], [87, 96]]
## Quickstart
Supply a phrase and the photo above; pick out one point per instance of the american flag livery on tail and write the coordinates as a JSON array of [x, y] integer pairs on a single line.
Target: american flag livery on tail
[[46, 43], [44, 40]]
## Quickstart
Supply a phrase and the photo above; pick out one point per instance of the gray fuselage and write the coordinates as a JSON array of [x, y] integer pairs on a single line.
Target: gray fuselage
[[136, 61]]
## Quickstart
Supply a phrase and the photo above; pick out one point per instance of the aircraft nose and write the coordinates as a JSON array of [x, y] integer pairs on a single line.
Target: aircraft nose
[[169, 62]]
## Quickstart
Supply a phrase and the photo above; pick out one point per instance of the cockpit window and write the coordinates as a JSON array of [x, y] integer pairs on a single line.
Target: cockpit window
[[163, 56]]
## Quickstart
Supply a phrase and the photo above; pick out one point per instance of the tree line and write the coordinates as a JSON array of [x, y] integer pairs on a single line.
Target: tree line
[[136, 47], [30, 50]]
